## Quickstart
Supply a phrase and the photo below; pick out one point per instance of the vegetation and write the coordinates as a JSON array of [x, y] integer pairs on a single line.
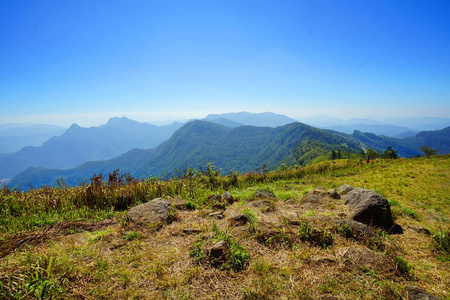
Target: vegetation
[[77, 242]]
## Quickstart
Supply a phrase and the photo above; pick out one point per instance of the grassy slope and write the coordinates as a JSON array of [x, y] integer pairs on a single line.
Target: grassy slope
[[80, 258]]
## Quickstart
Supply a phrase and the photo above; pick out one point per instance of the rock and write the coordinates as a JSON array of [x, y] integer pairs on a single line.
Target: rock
[[420, 229], [264, 195], [361, 257], [150, 213], [359, 230], [290, 201], [178, 203], [260, 203], [218, 249], [322, 259], [238, 220], [369, 207], [344, 189], [318, 196], [227, 198], [216, 214], [416, 293]]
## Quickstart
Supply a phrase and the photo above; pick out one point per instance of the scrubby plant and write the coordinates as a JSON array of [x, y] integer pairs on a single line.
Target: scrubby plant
[[441, 242], [235, 258], [402, 267], [314, 235]]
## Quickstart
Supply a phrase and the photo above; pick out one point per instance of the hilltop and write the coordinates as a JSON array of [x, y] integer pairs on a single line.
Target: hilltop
[[272, 235]]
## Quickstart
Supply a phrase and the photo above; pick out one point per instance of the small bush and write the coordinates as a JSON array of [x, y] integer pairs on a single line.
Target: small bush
[[236, 257], [442, 244], [315, 236], [402, 267]]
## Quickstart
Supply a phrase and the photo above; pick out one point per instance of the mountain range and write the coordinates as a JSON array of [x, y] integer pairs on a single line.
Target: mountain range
[[243, 148], [14, 137], [78, 145], [392, 127], [232, 141]]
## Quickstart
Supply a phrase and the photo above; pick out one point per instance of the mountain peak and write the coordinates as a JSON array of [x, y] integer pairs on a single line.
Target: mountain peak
[[119, 120]]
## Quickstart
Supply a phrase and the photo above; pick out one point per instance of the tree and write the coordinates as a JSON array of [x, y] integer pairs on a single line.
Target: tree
[[372, 153], [333, 155], [428, 150], [390, 153]]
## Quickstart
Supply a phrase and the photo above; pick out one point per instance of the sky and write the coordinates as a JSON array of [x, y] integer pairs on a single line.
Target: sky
[[84, 61]]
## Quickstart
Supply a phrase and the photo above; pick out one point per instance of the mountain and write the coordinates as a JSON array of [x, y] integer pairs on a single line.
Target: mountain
[[242, 148], [14, 137], [359, 124], [224, 122], [254, 119], [410, 146], [379, 129], [420, 124], [78, 145], [388, 127]]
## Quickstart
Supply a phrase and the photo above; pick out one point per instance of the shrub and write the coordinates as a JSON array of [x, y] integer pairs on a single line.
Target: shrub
[[315, 236], [235, 258]]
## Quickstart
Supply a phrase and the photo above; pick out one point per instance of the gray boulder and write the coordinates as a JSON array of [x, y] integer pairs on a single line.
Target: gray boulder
[[227, 198], [150, 213], [358, 230], [369, 207], [416, 293], [264, 195], [365, 259]]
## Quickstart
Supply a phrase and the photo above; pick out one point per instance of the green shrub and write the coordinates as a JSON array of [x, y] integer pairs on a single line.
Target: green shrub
[[236, 258], [442, 244], [402, 267], [315, 236]]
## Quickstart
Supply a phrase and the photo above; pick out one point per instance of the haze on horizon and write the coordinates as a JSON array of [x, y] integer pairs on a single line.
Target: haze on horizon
[[156, 61]]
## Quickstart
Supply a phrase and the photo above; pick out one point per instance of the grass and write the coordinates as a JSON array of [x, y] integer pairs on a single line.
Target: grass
[[68, 243]]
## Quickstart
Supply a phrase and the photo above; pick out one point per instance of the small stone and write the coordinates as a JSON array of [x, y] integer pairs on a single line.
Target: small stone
[[228, 198]]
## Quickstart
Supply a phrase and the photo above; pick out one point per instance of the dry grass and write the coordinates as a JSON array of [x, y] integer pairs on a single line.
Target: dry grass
[[114, 259]]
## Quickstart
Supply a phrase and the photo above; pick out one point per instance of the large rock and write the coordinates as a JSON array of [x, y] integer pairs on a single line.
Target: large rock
[[369, 207], [357, 229], [150, 213]]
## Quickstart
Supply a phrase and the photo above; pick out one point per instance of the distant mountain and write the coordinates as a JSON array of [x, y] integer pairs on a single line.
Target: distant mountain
[[242, 148], [390, 126], [78, 145], [420, 124], [405, 134], [410, 146], [225, 122], [14, 137], [254, 119], [379, 129]]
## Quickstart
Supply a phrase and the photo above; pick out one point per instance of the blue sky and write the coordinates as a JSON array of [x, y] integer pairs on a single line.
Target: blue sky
[[86, 61]]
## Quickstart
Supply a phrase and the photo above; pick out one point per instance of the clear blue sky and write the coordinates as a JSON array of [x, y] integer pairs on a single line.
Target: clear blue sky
[[85, 61]]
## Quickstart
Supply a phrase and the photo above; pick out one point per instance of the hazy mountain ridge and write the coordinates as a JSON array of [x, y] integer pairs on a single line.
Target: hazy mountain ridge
[[269, 119], [78, 145], [14, 137], [392, 127], [243, 148]]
